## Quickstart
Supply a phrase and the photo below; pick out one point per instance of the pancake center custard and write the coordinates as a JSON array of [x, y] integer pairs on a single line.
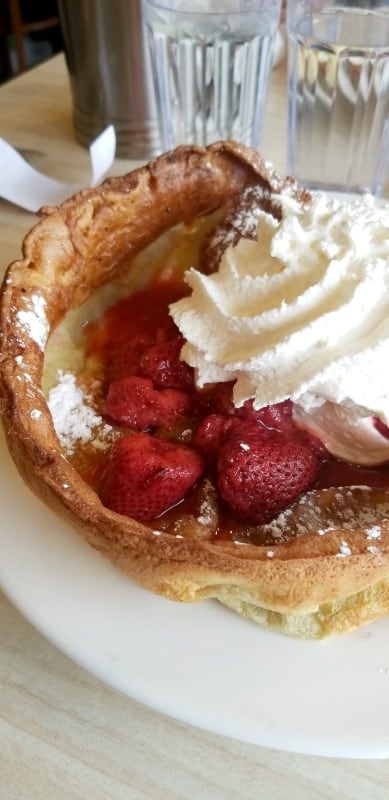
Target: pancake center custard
[[234, 405]]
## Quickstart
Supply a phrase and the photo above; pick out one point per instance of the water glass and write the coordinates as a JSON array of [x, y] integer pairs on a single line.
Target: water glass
[[338, 89], [211, 63]]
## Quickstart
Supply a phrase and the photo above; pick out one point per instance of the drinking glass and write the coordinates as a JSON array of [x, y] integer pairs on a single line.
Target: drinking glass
[[338, 89], [211, 62]]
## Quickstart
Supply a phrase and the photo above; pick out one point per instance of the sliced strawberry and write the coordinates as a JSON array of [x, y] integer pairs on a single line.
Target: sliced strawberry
[[263, 472], [161, 362], [134, 403], [146, 476]]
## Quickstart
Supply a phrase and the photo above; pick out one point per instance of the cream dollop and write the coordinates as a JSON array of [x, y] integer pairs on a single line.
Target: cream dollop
[[301, 313]]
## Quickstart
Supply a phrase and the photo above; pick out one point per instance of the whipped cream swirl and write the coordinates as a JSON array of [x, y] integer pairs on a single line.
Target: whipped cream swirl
[[301, 313]]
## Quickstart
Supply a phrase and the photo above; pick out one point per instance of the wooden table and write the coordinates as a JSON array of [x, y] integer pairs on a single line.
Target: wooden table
[[64, 735]]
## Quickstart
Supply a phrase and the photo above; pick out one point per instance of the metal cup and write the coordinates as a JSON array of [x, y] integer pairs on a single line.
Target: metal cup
[[110, 74]]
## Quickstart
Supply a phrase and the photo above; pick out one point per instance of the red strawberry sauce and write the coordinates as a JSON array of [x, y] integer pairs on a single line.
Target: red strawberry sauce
[[144, 317], [143, 312]]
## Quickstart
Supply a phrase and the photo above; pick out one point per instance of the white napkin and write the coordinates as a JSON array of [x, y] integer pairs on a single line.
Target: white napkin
[[28, 188]]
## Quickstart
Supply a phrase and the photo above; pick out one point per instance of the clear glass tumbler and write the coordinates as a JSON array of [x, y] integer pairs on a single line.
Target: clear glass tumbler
[[211, 64], [338, 68]]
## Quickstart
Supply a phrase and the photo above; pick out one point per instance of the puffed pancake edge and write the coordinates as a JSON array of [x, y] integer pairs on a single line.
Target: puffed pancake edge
[[305, 589]]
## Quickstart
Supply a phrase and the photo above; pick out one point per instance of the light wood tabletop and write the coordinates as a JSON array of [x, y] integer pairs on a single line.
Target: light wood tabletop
[[64, 734]]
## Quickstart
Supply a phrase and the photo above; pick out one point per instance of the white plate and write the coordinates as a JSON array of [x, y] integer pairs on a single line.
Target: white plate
[[198, 663]]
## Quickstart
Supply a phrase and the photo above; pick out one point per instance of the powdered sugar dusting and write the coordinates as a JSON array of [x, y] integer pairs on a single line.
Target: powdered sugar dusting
[[374, 532], [344, 550], [75, 420], [375, 551], [35, 321], [330, 510]]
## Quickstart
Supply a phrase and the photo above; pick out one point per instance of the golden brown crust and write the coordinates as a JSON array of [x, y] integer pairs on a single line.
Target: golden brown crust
[[307, 586]]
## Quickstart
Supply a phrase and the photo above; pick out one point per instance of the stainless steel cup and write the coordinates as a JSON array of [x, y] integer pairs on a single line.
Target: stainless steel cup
[[110, 74]]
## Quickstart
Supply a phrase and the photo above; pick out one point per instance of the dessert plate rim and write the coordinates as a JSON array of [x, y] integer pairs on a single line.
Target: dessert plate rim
[[200, 663]]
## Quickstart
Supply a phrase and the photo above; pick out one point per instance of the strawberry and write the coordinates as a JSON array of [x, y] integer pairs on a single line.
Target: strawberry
[[161, 362], [277, 416], [134, 403], [126, 357], [380, 426], [263, 472], [222, 398], [210, 434], [313, 443], [146, 476]]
